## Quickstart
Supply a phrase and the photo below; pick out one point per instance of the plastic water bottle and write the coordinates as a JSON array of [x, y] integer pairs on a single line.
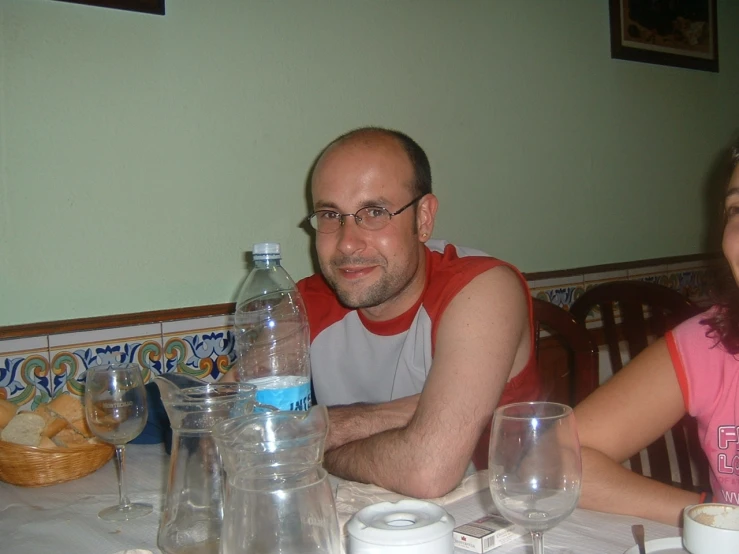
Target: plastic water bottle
[[272, 335]]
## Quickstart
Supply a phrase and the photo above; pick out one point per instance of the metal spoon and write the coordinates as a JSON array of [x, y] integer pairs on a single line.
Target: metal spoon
[[638, 532]]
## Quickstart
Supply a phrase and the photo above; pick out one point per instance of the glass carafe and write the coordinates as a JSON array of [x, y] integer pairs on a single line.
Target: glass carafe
[[278, 497], [192, 515]]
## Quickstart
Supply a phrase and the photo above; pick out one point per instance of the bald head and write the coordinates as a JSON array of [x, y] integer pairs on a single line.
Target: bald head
[[389, 140]]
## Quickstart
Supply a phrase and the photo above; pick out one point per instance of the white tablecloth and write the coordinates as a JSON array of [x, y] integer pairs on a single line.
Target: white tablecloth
[[63, 518]]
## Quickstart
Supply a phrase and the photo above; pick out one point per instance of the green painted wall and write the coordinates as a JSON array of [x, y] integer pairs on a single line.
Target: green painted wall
[[140, 156]]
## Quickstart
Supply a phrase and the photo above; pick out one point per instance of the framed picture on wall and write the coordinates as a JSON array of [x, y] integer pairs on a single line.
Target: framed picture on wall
[[681, 33], [146, 6]]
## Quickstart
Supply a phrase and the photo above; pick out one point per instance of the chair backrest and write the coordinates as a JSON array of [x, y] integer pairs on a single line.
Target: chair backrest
[[665, 308], [566, 353], [636, 312]]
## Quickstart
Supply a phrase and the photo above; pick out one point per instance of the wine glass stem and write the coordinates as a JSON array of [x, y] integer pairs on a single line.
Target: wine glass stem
[[120, 458], [537, 540]]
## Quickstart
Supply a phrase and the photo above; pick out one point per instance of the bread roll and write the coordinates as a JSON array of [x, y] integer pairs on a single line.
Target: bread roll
[[54, 423], [46, 442], [68, 438], [7, 411], [25, 428], [70, 409]]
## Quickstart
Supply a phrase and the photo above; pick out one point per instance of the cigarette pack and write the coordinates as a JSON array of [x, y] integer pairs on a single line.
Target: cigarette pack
[[486, 533]]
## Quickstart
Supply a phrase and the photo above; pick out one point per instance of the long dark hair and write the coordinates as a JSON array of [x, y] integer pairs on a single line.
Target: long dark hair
[[723, 324]]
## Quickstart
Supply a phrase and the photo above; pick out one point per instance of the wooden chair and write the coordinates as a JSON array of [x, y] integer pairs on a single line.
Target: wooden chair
[[665, 308], [567, 355], [567, 359], [637, 312]]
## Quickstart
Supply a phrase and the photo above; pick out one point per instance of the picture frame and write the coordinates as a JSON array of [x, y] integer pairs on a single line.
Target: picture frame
[[679, 34], [155, 7]]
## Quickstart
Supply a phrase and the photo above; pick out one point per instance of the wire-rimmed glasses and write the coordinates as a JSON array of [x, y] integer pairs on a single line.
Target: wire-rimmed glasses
[[371, 218]]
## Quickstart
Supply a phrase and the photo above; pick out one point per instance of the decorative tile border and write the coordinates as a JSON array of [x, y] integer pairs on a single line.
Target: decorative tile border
[[560, 291], [24, 370], [34, 368], [71, 354], [202, 348]]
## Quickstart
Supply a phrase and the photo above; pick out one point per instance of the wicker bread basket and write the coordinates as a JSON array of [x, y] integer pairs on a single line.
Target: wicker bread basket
[[28, 466]]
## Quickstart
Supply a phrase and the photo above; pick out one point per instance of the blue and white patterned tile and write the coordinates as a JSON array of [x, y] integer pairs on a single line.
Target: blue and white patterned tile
[[561, 296], [72, 353], [202, 347], [690, 278], [692, 283], [562, 291], [24, 371]]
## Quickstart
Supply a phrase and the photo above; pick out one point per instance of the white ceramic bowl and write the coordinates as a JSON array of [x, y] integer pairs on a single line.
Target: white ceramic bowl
[[711, 529]]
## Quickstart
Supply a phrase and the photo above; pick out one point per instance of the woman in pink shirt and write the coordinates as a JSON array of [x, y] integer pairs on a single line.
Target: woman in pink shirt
[[693, 370]]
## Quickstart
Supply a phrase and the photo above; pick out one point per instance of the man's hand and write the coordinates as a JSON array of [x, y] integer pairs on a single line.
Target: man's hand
[[483, 340]]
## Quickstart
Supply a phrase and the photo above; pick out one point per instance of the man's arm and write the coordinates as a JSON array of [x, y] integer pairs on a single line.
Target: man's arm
[[359, 421], [482, 340], [638, 405]]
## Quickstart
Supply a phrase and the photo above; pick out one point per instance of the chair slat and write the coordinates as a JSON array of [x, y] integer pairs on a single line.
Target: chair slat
[[664, 308], [633, 325], [612, 335]]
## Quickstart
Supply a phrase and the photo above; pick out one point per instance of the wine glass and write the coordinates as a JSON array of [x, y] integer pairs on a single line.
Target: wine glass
[[534, 465], [116, 410]]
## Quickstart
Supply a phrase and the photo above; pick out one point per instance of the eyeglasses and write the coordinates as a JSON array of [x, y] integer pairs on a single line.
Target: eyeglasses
[[371, 218]]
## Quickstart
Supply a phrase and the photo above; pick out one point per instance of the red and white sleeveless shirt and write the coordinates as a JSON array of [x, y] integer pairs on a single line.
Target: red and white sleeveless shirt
[[354, 359]]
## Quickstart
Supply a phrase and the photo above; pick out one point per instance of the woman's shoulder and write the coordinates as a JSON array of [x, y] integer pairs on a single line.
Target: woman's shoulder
[[697, 348], [696, 331], [700, 362]]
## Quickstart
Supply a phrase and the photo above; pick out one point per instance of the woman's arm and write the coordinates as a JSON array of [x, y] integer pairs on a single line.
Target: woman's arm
[[629, 412]]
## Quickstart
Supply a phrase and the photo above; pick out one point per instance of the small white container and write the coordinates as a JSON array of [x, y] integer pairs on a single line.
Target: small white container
[[404, 527], [711, 529]]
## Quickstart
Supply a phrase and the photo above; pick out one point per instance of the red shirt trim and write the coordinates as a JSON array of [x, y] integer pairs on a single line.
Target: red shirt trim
[[680, 373]]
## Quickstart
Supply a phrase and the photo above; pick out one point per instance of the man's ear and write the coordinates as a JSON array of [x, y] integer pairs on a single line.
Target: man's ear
[[426, 216]]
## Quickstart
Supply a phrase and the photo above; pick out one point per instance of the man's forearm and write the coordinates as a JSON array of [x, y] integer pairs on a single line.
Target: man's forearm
[[392, 461], [377, 443], [360, 421]]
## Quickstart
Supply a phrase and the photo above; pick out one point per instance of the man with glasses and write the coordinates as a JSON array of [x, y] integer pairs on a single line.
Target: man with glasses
[[413, 342]]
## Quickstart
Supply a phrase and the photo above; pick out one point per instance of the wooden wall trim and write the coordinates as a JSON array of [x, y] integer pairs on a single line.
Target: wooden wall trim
[[141, 318], [671, 260], [111, 321]]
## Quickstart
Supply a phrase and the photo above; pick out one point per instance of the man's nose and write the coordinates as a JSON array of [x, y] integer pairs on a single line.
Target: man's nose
[[351, 235]]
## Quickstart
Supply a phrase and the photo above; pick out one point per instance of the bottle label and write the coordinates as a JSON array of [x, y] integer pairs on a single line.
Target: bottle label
[[297, 398]]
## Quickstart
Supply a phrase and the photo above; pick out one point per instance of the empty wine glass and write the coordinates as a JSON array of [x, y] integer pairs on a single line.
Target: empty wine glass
[[534, 465], [116, 410]]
